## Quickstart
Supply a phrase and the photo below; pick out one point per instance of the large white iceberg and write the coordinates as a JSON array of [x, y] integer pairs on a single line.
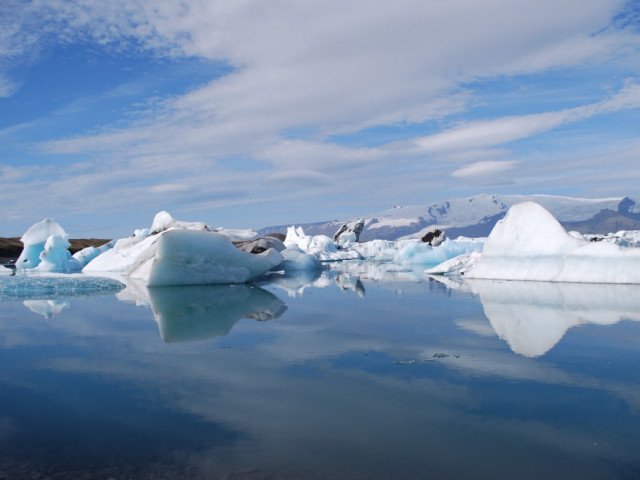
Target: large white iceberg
[[530, 244], [182, 253], [191, 257]]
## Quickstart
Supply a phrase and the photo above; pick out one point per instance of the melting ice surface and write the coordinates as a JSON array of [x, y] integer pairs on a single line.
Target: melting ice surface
[[364, 370]]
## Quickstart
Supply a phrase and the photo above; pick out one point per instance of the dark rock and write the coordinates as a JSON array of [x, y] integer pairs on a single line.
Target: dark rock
[[434, 238], [279, 236], [260, 245]]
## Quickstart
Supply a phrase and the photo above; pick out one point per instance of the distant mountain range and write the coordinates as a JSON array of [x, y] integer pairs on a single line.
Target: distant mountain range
[[476, 216]]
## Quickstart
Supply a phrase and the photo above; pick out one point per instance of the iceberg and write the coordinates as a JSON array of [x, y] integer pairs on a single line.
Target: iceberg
[[192, 257], [295, 259], [173, 252], [624, 238], [416, 252], [84, 256], [404, 252], [349, 233], [46, 249], [530, 244], [126, 255], [163, 221], [456, 265], [321, 246]]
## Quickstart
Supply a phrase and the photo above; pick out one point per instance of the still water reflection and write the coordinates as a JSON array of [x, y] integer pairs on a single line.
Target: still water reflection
[[356, 372]]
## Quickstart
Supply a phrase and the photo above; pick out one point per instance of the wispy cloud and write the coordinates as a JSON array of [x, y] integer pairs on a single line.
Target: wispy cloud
[[488, 172], [508, 129]]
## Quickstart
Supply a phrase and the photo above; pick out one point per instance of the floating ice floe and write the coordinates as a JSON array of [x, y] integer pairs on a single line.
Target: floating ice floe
[[624, 238], [530, 244], [321, 246], [404, 252], [182, 253], [55, 286], [415, 252]]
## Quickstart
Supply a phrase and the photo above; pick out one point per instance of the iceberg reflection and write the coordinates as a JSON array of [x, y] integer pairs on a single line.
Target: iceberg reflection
[[46, 308], [533, 316], [190, 313]]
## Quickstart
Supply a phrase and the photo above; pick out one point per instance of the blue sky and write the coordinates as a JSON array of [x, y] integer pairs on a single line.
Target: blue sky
[[247, 113]]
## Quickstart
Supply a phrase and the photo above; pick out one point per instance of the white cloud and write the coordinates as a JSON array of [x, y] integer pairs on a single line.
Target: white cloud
[[169, 188], [483, 169], [489, 133], [325, 68], [7, 87]]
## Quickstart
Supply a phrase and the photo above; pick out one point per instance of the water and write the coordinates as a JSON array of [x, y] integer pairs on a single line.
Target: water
[[358, 373]]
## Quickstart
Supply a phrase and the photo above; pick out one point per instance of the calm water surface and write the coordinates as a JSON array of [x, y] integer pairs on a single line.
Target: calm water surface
[[353, 373]]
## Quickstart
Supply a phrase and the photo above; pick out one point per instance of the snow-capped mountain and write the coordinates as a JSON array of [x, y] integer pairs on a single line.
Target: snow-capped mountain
[[475, 216]]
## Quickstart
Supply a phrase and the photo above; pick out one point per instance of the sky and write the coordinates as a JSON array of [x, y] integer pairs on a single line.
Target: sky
[[247, 114]]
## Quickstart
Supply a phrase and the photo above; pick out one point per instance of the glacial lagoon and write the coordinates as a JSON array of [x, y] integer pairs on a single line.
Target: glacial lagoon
[[356, 372]]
